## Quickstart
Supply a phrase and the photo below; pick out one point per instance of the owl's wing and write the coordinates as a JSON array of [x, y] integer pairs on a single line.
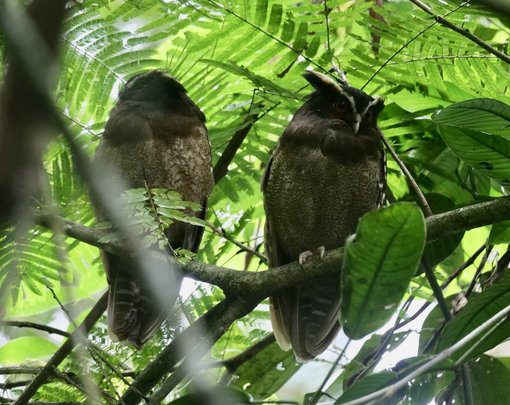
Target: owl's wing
[[280, 305], [133, 313]]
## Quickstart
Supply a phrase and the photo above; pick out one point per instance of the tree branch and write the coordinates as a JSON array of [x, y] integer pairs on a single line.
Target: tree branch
[[45, 328], [469, 217], [265, 283], [196, 341], [465, 33], [245, 289], [49, 369]]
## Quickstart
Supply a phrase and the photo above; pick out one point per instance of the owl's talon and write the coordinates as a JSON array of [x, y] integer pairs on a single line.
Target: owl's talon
[[304, 257]]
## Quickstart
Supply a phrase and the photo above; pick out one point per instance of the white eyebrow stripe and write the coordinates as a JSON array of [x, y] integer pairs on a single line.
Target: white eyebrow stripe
[[371, 104]]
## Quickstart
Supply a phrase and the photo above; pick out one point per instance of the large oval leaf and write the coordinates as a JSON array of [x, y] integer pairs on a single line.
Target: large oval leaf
[[478, 310], [476, 131], [480, 114], [437, 251], [378, 266], [26, 347]]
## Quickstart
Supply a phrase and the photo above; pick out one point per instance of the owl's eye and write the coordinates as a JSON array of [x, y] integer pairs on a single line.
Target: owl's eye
[[340, 106]]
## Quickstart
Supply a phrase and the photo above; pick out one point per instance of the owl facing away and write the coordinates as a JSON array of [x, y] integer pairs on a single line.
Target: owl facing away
[[327, 170], [155, 137]]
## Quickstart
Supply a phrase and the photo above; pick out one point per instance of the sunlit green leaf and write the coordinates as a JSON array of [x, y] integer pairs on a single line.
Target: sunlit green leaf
[[379, 264], [25, 348]]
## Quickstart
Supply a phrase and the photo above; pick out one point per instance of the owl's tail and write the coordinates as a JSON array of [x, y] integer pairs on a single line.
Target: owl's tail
[[134, 312], [305, 317]]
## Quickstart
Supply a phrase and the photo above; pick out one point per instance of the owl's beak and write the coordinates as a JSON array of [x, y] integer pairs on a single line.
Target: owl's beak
[[357, 122]]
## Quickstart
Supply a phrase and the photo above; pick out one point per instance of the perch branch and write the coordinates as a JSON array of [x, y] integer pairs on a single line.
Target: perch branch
[[265, 283], [253, 287]]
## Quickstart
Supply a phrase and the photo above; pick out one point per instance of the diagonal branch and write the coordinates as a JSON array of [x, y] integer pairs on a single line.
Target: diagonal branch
[[197, 339], [49, 369], [465, 33]]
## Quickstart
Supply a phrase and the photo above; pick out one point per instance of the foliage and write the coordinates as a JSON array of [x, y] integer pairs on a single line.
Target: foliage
[[447, 115]]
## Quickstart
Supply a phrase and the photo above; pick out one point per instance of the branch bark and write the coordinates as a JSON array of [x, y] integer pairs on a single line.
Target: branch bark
[[45, 328], [265, 283], [244, 290]]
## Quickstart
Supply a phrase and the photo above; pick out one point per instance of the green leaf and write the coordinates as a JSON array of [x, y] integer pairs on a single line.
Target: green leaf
[[366, 355], [471, 130], [481, 115], [264, 374], [489, 380], [368, 385], [437, 251], [378, 266], [28, 347], [500, 233], [479, 309]]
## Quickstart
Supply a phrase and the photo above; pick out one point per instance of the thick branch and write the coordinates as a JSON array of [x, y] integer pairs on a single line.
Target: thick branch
[[253, 287], [469, 217], [265, 283]]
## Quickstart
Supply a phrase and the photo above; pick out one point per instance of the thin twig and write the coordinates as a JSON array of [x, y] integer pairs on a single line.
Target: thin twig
[[465, 33], [221, 232], [45, 328], [389, 391], [408, 42], [436, 289], [478, 271]]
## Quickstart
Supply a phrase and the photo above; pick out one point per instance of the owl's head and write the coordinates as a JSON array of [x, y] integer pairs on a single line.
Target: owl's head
[[151, 86], [160, 90], [340, 101]]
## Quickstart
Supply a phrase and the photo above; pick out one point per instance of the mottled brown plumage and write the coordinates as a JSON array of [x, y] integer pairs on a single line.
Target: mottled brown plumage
[[155, 137], [326, 172]]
